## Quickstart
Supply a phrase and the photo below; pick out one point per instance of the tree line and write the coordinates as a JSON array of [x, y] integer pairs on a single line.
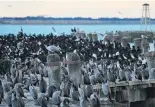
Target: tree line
[[72, 18]]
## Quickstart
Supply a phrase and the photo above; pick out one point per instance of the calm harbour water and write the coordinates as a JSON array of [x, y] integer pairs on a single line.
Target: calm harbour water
[[46, 29]]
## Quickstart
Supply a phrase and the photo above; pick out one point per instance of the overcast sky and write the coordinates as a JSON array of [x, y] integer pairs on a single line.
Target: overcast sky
[[75, 8]]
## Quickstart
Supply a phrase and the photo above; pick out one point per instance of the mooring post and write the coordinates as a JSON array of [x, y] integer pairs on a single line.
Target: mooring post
[[74, 67], [90, 36], [151, 63], [95, 37], [108, 37], [53, 61], [137, 42], [117, 39], [144, 45], [125, 41]]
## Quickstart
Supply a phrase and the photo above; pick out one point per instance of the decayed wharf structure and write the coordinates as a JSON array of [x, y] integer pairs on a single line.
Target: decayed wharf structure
[[133, 93], [126, 94]]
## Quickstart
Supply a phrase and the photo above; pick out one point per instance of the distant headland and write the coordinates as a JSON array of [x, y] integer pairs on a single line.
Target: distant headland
[[69, 20]]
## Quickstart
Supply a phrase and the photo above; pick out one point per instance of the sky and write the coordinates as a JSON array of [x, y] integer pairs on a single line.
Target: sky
[[75, 8]]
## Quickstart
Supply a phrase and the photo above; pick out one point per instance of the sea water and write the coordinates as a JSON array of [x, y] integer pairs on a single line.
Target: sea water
[[46, 29]]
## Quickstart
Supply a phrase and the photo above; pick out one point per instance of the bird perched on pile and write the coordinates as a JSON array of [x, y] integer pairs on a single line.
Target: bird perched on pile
[[19, 91], [86, 78], [82, 96], [17, 102], [51, 90], [65, 103], [8, 98], [145, 72], [65, 86], [42, 85], [7, 86], [34, 79], [8, 77], [74, 94], [42, 100], [92, 79], [56, 98], [94, 101], [33, 92]]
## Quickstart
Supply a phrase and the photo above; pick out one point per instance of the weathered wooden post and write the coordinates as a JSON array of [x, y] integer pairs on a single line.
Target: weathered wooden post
[[144, 45], [137, 42], [53, 61], [95, 37], [90, 36], [125, 41], [82, 35], [108, 38], [74, 67], [117, 39], [151, 63]]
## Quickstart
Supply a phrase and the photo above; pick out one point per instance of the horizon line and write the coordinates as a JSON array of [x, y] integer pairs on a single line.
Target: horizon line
[[73, 17]]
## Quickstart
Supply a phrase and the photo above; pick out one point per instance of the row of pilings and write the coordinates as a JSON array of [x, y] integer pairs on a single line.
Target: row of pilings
[[74, 67]]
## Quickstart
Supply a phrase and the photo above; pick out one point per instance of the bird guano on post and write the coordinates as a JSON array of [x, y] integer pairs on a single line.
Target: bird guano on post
[[117, 38], [81, 35], [74, 67], [137, 42], [125, 41], [144, 45], [53, 61], [94, 37], [108, 38]]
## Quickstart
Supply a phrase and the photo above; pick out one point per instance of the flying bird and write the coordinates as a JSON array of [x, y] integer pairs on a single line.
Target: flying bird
[[119, 12], [9, 5]]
